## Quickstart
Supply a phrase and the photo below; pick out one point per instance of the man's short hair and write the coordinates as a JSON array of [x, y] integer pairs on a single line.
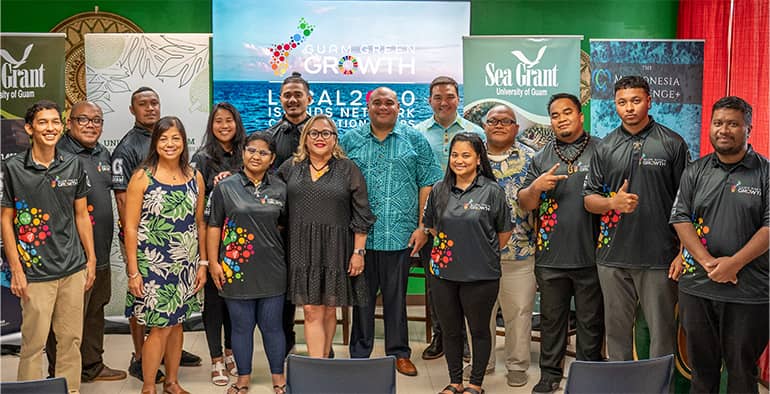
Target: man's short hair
[[632, 82], [296, 77], [142, 90], [443, 80], [736, 103], [41, 105], [559, 96]]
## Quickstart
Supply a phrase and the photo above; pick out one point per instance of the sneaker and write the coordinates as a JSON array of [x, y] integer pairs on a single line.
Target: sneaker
[[135, 370], [516, 378], [545, 386], [469, 367]]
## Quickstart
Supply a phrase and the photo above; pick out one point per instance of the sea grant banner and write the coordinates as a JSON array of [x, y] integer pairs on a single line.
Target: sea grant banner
[[521, 72], [674, 70], [174, 65], [344, 49], [31, 69]]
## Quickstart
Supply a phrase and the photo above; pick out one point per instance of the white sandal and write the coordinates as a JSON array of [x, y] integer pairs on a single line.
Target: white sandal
[[218, 375], [231, 360]]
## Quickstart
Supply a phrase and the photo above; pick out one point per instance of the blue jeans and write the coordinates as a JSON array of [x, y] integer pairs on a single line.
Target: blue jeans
[[245, 315]]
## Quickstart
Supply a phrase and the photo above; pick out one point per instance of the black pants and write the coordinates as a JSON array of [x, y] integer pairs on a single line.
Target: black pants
[[716, 331], [215, 316], [460, 301], [387, 271], [92, 342], [557, 287]]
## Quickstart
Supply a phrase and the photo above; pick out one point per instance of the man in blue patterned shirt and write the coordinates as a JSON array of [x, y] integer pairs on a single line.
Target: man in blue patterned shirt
[[510, 160], [400, 170]]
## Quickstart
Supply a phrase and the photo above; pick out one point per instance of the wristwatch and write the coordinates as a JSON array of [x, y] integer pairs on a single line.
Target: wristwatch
[[425, 230], [360, 251]]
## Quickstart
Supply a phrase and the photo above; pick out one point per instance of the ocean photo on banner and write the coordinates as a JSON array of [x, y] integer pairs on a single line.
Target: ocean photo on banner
[[344, 49]]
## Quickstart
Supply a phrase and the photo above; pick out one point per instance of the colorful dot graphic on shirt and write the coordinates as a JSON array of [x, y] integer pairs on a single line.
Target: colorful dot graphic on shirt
[[280, 53], [608, 221], [688, 262], [347, 65], [237, 243], [31, 231], [91, 214], [441, 254], [548, 220]]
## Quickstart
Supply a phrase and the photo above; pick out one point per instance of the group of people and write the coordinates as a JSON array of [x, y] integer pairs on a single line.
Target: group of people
[[304, 214]]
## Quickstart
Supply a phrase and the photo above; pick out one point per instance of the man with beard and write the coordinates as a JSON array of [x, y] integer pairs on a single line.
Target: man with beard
[[721, 215], [565, 264]]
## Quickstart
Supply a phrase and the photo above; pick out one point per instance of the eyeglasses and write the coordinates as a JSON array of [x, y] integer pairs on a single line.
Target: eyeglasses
[[83, 120], [504, 122], [325, 134], [252, 150]]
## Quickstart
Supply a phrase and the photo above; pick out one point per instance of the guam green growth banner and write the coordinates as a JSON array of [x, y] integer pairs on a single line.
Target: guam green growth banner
[[521, 72], [31, 69]]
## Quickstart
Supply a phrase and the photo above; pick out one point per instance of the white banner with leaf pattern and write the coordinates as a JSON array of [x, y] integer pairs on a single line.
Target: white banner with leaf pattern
[[174, 65]]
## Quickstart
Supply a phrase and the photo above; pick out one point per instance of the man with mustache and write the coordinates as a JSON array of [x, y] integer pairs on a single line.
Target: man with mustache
[[721, 215]]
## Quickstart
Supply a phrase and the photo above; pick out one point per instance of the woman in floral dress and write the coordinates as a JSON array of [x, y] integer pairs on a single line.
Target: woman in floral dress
[[165, 265]]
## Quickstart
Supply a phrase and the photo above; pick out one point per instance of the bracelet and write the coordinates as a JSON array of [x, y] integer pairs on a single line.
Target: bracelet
[[134, 275], [204, 263]]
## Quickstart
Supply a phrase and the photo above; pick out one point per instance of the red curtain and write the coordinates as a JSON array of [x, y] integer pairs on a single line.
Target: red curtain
[[747, 52], [750, 64]]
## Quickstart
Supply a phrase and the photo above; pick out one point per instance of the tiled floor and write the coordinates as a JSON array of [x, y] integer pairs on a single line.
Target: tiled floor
[[432, 375]]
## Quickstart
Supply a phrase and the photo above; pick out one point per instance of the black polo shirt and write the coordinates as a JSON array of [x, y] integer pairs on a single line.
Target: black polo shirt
[[286, 137], [96, 163], [251, 249], [130, 152], [209, 169], [652, 161], [727, 205], [566, 232], [46, 236], [466, 247]]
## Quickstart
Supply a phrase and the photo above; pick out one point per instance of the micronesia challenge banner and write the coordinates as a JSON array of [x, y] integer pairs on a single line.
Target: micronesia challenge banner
[[344, 49], [521, 72], [674, 70]]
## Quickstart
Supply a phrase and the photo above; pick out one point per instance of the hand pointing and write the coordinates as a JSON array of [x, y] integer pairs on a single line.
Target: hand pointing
[[549, 180]]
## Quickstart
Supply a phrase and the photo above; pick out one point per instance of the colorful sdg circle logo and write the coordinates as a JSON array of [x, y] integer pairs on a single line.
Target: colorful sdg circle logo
[[347, 65]]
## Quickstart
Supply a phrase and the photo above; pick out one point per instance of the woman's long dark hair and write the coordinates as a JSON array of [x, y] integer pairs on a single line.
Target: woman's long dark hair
[[165, 123], [445, 187], [211, 146]]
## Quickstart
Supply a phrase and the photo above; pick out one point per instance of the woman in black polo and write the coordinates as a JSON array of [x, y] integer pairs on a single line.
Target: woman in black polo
[[250, 271], [470, 219], [218, 157]]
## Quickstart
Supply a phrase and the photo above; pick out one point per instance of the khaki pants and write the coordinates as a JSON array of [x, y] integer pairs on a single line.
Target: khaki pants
[[516, 298], [59, 304]]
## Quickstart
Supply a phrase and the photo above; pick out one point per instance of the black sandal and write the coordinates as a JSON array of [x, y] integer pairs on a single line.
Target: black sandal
[[451, 389], [279, 389], [471, 390], [237, 389]]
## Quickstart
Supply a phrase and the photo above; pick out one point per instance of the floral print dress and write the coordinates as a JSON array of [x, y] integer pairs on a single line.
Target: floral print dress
[[167, 255]]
